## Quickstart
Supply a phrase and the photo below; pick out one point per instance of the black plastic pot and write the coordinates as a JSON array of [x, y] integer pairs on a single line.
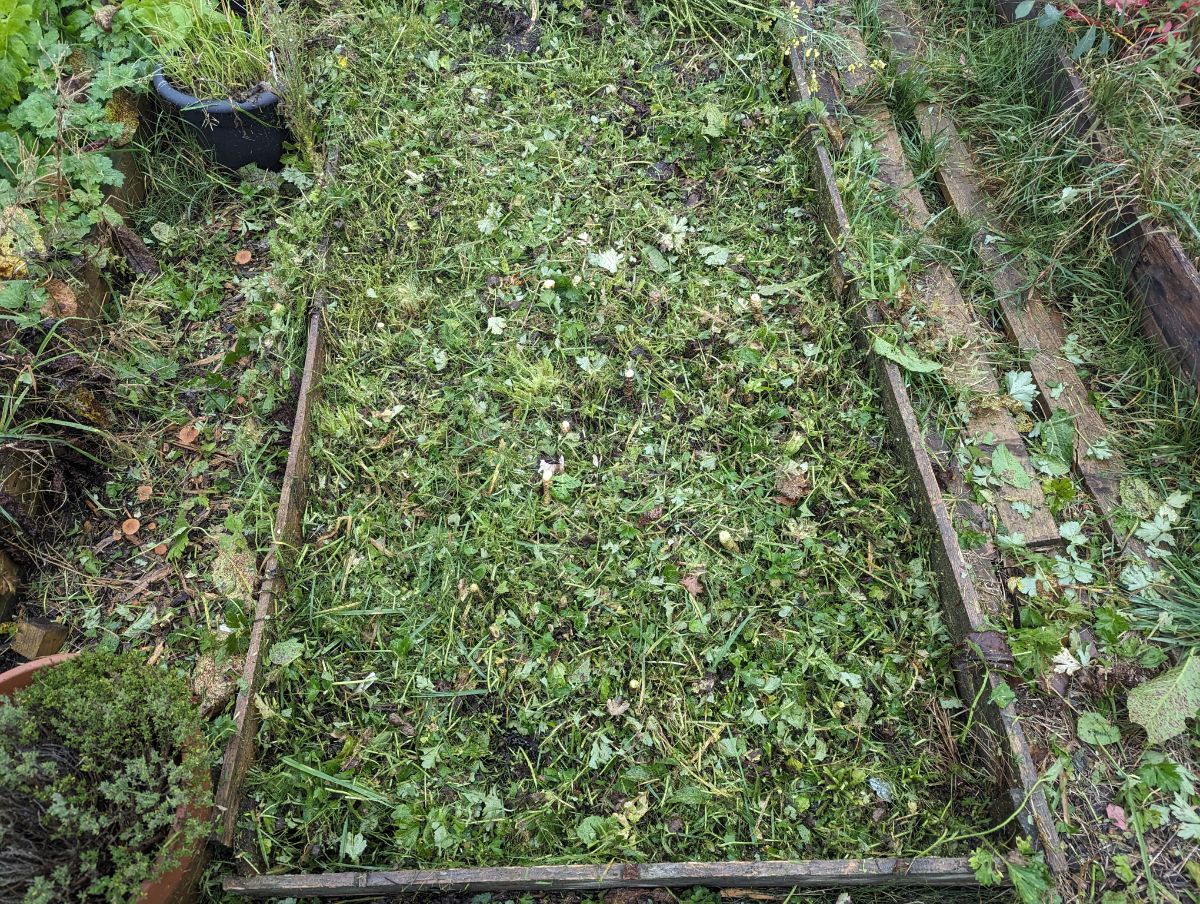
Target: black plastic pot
[[237, 132]]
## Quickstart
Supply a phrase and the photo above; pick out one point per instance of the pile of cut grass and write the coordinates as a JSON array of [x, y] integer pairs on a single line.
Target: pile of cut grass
[[608, 557]]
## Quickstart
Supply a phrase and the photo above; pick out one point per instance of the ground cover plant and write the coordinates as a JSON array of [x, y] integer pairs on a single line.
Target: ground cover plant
[[1096, 631], [96, 757], [607, 557]]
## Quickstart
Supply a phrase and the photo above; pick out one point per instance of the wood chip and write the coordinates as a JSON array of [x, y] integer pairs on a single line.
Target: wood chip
[[157, 574]]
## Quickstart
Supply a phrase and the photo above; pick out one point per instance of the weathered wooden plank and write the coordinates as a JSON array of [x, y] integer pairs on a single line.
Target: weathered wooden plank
[[1159, 273], [1031, 324], [962, 604], [969, 371], [925, 871], [239, 752]]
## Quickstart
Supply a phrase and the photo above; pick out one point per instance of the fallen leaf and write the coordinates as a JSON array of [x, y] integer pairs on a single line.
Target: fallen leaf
[[791, 485], [144, 492], [651, 516], [134, 250], [1163, 705], [1117, 815], [130, 527], [617, 706], [243, 257], [691, 583], [61, 300], [188, 434]]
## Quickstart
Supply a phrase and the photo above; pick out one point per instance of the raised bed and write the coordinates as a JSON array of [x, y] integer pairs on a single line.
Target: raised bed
[[999, 735]]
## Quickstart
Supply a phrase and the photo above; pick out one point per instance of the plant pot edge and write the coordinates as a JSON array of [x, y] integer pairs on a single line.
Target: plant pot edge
[[236, 132]]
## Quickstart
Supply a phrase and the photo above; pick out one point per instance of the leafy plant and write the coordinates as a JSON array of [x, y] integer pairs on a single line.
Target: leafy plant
[[19, 37], [70, 72], [1164, 704], [96, 758]]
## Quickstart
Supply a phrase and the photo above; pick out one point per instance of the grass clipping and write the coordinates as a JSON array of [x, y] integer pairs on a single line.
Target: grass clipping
[[607, 557]]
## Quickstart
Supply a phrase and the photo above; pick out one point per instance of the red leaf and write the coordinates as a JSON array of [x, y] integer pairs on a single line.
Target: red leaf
[[1117, 815]]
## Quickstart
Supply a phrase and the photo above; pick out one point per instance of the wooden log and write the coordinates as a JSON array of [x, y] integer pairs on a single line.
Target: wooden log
[[962, 604], [924, 871], [239, 752], [1029, 322], [1159, 273], [37, 637]]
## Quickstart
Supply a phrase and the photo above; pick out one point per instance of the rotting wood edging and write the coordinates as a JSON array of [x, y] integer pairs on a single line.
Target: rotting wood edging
[[1158, 271], [922, 871], [239, 752], [961, 604]]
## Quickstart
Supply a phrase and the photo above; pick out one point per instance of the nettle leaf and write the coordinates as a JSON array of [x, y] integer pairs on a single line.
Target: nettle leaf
[[904, 356], [354, 845], [591, 829], [654, 258], [287, 651], [1163, 705], [1008, 468], [1096, 730]]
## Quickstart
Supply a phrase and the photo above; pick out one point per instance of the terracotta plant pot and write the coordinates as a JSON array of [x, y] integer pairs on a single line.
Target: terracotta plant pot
[[179, 885]]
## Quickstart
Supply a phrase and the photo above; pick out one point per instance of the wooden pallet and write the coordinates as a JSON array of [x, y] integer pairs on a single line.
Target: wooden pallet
[[1031, 325], [968, 585]]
